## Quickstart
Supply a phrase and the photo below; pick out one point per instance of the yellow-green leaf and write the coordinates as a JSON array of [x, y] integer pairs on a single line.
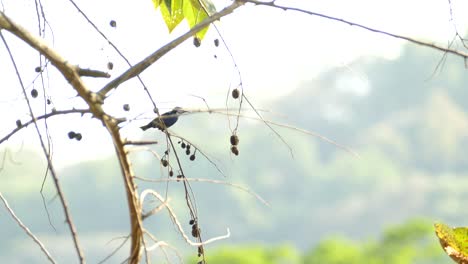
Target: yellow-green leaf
[[454, 241], [156, 3], [195, 13], [172, 12], [208, 6]]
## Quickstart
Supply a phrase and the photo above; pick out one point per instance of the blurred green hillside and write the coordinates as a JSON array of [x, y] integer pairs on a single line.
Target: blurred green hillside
[[406, 118]]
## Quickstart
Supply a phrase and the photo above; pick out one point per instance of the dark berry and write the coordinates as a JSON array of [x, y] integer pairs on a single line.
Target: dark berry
[[171, 173], [183, 145], [235, 150], [187, 151], [78, 136], [126, 107], [113, 24], [192, 222], [196, 42], [18, 123], [38, 69], [200, 250], [71, 135], [110, 65], [192, 157], [48, 101], [234, 140], [164, 162], [235, 93], [195, 231], [216, 42], [34, 93]]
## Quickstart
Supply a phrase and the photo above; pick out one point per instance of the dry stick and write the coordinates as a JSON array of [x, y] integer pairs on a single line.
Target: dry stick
[[162, 244], [267, 124], [148, 61], [176, 221], [314, 134], [117, 50], [115, 250], [26, 229], [201, 151], [5, 21], [245, 189], [412, 40], [154, 210], [54, 113], [94, 102], [141, 142]]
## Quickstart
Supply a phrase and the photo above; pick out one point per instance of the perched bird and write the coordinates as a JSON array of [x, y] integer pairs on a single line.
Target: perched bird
[[165, 120]]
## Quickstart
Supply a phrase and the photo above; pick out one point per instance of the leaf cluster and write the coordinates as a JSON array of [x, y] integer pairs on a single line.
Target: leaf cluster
[[194, 11]]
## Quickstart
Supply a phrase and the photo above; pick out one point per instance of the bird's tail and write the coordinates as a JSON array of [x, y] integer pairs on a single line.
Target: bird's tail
[[145, 127]]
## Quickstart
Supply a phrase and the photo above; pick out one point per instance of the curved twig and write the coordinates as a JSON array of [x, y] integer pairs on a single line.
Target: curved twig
[[176, 221], [245, 189]]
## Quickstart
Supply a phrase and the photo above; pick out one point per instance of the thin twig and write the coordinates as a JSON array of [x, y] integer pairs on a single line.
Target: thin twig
[[93, 73], [46, 153], [94, 102], [154, 210], [148, 61], [201, 151], [245, 189], [54, 113], [176, 221], [141, 142], [26, 229], [115, 250], [412, 40]]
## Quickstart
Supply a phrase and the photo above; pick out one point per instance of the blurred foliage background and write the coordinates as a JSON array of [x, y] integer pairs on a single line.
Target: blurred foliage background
[[407, 118]]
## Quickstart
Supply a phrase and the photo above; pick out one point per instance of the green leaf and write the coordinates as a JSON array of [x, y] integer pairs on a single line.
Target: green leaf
[[172, 13], [156, 3], [207, 5], [454, 241], [195, 13], [168, 5]]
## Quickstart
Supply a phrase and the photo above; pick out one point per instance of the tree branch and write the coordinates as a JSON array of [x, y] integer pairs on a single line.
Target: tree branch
[[94, 102], [53, 113], [26, 229], [412, 40], [148, 61]]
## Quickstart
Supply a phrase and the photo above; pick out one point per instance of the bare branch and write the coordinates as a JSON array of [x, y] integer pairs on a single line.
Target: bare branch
[[176, 221], [46, 153], [53, 113], [245, 189], [94, 102], [154, 210], [26, 229], [462, 54], [148, 61], [93, 73], [141, 142]]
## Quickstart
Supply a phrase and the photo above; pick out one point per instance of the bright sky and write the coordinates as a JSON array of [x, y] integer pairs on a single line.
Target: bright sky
[[275, 51]]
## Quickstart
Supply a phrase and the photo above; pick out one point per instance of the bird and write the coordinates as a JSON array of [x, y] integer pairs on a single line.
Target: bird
[[165, 120]]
